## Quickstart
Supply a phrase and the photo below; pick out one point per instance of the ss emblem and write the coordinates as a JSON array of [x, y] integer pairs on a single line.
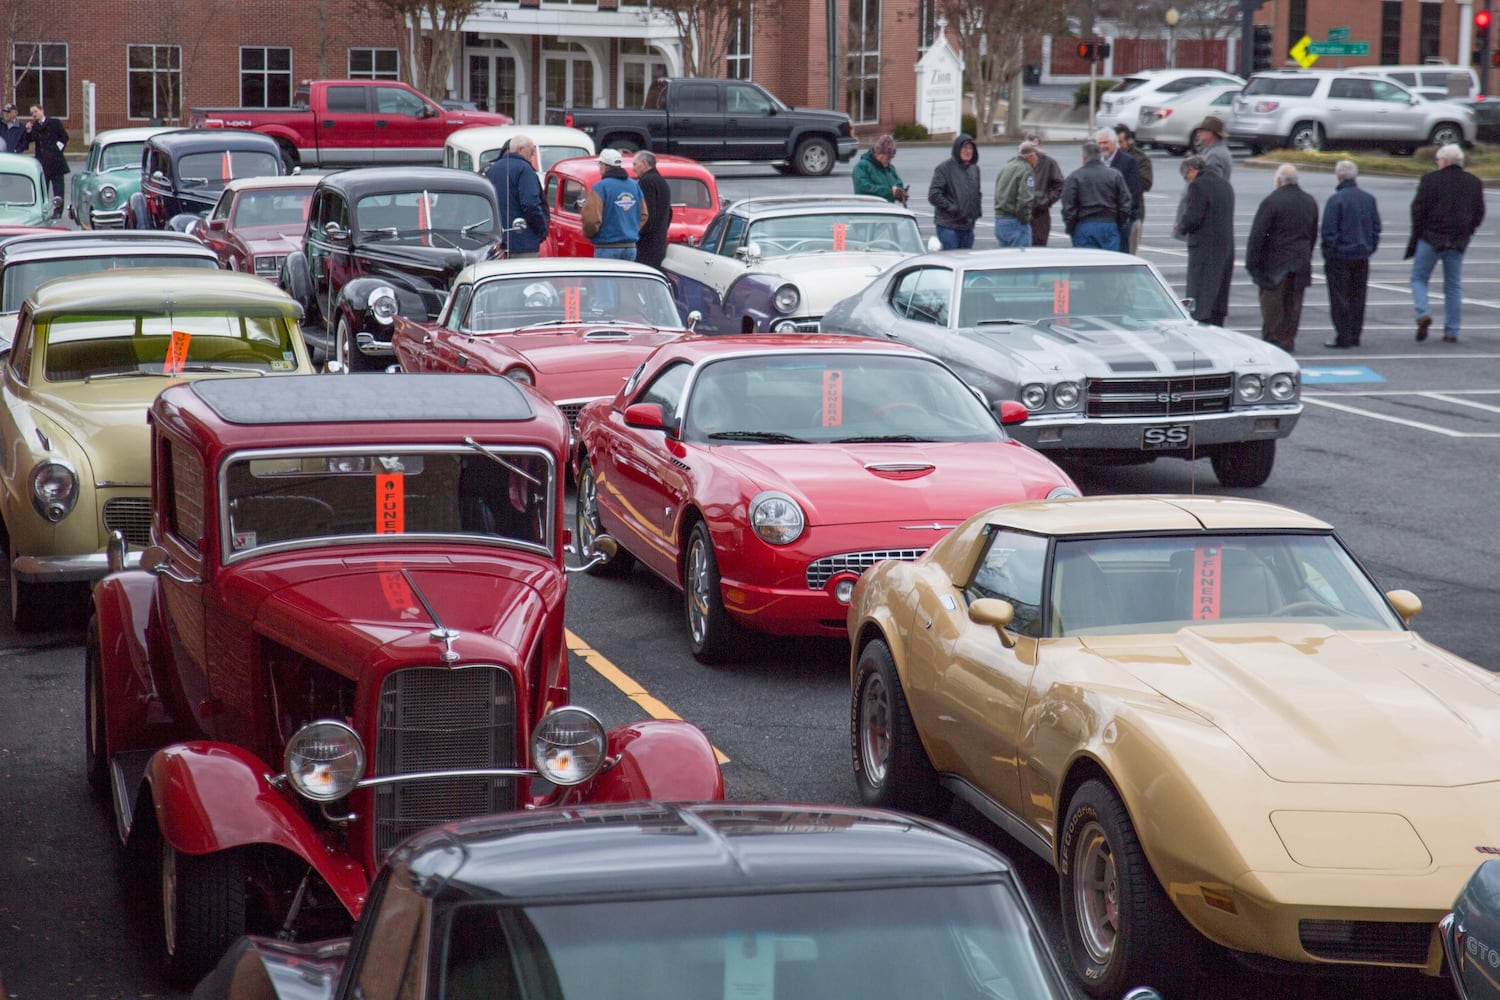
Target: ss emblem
[[1167, 437]]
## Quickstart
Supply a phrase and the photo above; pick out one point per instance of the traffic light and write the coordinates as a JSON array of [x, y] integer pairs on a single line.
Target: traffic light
[[1260, 57], [1101, 51], [1482, 22], [1086, 51], [1482, 43]]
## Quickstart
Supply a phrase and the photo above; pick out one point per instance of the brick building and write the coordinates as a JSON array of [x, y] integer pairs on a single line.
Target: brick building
[[1398, 31]]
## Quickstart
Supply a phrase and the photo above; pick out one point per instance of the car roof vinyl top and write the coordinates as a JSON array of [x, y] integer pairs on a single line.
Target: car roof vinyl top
[[367, 398]]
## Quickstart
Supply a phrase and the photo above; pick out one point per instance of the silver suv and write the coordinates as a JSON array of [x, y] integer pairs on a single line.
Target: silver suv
[[1334, 109]]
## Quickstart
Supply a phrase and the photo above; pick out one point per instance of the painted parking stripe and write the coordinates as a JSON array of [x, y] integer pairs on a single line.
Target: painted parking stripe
[[632, 690], [1341, 375], [1416, 424]]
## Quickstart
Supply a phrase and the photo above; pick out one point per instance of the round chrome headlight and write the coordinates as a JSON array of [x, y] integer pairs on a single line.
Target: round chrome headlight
[[54, 490], [519, 374], [383, 303], [1284, 385], [107, 194], [1251, 387], [776, 518], [568, 746], [1065, 395], [787, 298], [1062, 493], [784, 326], [1034, 396], [324, 760]]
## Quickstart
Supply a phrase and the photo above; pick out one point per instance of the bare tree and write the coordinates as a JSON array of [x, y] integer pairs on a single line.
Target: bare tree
[[706, 27], [20, 21], [1202, 19], [428, 57], [987, 32]]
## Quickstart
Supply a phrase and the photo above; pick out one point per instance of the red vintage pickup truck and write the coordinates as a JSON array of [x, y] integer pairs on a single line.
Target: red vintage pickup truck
[[347, 123]]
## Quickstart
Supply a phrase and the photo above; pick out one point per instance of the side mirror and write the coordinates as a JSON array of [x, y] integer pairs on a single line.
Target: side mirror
[[934, 244], [197, 228], [1012, 411], [694, 318], [1189, 303], [748, 253], [646, 416], [518, 226], [158, 177], [1407, 604], [995, 613], [604, 549], [334, 231]]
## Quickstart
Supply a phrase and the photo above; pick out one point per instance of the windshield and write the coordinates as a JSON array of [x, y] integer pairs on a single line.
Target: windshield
[[301, 498], [17, 189], [210, 170], [285, 210], [90, 346], [1130, 294], [1141, 586], [21, 278], [883, 944], [824, 397], [121, 156], [836, 233], [531, 300], [408, 212]]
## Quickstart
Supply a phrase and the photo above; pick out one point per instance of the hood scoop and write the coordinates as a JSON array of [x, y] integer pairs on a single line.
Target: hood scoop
[[606, 335], [900, 470]]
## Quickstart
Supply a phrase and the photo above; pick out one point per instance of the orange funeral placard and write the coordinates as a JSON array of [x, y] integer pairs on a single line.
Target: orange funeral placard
[[390, 503], [572, 304], [424, 211], [833, 398], [1060, 297], [177, 353], [1207, 582], [226, 168], [840, 236]]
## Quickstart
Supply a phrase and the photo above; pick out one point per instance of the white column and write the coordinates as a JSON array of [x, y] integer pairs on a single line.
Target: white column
[[1466, 34]]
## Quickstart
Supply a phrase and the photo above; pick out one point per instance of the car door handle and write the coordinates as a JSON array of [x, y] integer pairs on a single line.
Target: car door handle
[[380, 123], [327, 123]]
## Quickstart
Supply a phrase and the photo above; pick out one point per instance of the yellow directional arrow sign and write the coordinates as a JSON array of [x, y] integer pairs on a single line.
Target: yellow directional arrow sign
[[1299, 52]]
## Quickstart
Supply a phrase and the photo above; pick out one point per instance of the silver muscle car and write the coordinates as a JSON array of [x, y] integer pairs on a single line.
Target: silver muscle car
[[1110, 366]]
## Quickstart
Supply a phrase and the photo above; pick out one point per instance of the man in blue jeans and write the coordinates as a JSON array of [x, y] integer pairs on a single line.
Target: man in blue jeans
[[1095, 202], [1448, 207], [614, 210]]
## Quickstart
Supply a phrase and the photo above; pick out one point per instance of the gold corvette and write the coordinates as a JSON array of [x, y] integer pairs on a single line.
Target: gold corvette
[[1192, 707], [90, 354]]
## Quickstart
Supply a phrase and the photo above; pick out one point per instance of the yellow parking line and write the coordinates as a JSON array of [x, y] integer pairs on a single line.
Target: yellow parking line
[[654, 707]]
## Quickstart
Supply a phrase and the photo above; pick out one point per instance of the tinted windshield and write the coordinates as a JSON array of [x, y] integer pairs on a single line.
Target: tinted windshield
[[531, 299], [210, 170], [83, 346], [21, 278], [1133, 586], [407, 212], [824, 397], [17, 189], [447, 491], [888, 944], [836, 233], [286, 210], [121, 156], [1128, 294]]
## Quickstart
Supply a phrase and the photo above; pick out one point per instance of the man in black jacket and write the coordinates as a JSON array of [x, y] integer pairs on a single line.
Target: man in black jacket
[[651, 248], [1448, 207], [1205, 219], [1279, 256], [1049, 186], [956, 197], [1095, 202], [48, 138]]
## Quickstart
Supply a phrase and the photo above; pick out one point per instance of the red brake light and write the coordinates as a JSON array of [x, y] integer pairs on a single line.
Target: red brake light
[[568, 120], [1261, 107]]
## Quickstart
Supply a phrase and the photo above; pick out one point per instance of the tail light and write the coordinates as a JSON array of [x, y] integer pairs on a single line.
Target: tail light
[[568, 120], [1265, 107]]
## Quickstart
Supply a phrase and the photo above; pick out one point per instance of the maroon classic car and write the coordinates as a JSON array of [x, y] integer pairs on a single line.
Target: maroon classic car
[[350, 628], [256, 222], [574, 327]]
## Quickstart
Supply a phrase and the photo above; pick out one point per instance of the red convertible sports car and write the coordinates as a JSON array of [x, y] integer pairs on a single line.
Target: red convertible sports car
[[763, 474], [575, 328]]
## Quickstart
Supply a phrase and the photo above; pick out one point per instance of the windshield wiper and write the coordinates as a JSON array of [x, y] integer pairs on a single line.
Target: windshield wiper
[[552, 322], [502, 462], [1016, 322], [204, 366], [774, 437], [133, 373], [870, 438]]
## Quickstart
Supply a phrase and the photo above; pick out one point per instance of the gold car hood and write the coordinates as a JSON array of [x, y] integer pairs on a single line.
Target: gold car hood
[[1309, 704], [112, 430]]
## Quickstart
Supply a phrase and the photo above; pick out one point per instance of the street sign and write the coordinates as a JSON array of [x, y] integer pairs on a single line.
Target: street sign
[[1338, 34], [1339, 48], [1299, 52]]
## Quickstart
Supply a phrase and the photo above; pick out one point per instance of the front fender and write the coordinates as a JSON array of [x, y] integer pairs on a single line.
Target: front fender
[[666, 760], [212, 796], [137, 214], [354, 300], [124, 609]]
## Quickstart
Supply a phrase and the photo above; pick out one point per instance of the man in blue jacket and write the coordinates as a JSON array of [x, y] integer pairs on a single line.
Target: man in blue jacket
[[520, 195], [614, 210], [1351, 235]]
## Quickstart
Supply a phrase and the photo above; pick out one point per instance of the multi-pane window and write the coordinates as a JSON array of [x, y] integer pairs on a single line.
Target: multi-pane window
[[1296, 19], [1390, 32], [154, 81], [40, 76], [265, 77], [862, 68], [639, 65], [737, 51], [1430, 32], [927, 18], [375, 64]]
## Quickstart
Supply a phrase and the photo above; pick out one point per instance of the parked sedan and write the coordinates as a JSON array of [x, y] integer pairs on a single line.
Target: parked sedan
[[25, 199], [1201, 711], [257, 222], [574, 327], [183, 172], [695, 200], [1170, 123], [477, 147], [1109, 365], [99, 193], [776, 264], [762, 475]]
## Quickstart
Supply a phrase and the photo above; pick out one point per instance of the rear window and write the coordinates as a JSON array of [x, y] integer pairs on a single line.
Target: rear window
[[1129, 83], [689, 192], [1281, 86]]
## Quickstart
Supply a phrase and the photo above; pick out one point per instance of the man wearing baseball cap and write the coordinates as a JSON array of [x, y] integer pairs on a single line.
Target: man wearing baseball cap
[[614, 210], [12, 130]]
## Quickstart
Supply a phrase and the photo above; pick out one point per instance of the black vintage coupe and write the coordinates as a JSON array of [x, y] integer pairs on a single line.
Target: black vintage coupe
[[184, 172]]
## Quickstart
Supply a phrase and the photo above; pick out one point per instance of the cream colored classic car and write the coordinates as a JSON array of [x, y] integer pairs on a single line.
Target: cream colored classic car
[[90, 354], [1192, 707], [477, 147]]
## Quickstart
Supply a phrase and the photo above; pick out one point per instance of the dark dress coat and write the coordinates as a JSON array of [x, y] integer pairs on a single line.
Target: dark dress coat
[[1126, 165], [48, 138], [1207, 223], [1282, 238], [1448, 207], [651, 247]]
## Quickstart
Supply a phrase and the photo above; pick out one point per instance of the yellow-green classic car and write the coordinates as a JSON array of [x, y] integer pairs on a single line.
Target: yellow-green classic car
[[90, 354], [1201, 711]]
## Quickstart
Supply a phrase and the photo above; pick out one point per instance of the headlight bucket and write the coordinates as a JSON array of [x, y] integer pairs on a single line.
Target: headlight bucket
[[107, 194], [54, 490], [1284, 385], [787, 298], [383, 304], [784, 326], [1250, 387], [324, 760], [776, 518], [520, 375], [569, 745], [1034, 396], [1065, 395]]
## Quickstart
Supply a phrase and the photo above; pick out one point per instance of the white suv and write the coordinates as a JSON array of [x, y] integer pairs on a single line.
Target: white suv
[[1341, 109], [1121, 104]]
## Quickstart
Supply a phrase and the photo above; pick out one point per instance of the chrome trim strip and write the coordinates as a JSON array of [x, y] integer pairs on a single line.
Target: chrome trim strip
[[480, 772], [67, 569], [1000, 816]]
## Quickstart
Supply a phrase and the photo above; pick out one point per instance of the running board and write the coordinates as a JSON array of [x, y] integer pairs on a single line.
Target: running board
[[1000, 816]]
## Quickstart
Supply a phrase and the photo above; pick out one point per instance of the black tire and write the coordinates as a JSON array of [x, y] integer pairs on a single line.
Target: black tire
[[296, 280], [288, 155], [1306, 136], [202, 911], [623, 144], [1121, 929], [814, 157], [1177, 150], [1446, 134], [95, 741], [29, 602], [345, 352], [1254, 148], [587, 526], [1245, 463], [712, 634], [890, 765]]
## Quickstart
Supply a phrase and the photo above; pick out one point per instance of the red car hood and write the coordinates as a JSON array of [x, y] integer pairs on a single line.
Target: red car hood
[[573, 350], [854, 483], [270, 239]]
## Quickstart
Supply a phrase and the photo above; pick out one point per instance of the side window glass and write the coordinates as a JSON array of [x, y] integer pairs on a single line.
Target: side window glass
[[20, 352], [710, 241], [1380, 90], [747, 100], [221, 207], [553, 185], [573, 195], [934, 292], [345, 100], [458, 308], [1011, 569], [395, 101], [666, 389], [903, 291], [390, 958], [734, 229]]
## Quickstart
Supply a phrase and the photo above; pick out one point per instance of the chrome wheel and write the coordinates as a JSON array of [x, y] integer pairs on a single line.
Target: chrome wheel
[[169, 890], [343, 350], [699, 581], [1096, 892], [875, 730], [586, 528]]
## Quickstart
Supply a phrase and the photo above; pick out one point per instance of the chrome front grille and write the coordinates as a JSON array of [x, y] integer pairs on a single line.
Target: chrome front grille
[[820, 571], [571, 410], [435, 719], [131, 516], [107, 218], [268, 266], [1179, 396]]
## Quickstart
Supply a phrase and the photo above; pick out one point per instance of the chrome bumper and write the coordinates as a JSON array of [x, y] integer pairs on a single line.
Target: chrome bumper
[[67, 569], [1075, 431], [112, 219]]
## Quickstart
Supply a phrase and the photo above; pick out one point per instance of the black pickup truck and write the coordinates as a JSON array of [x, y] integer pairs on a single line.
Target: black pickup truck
[[719, 120]]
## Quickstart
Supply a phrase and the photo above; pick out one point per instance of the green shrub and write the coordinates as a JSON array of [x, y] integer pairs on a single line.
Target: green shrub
[[1081, 93], [970, 125], [910, 131]]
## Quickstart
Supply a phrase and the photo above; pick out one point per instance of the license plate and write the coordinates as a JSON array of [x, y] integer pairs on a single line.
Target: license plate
[[1167, 437]]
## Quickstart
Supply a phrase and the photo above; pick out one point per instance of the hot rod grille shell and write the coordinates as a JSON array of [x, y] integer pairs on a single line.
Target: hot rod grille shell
[[130, 516], [435, 719]]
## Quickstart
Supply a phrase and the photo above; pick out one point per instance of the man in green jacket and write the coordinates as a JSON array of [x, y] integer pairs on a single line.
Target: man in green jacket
[[873, 174], [1015, 191]]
